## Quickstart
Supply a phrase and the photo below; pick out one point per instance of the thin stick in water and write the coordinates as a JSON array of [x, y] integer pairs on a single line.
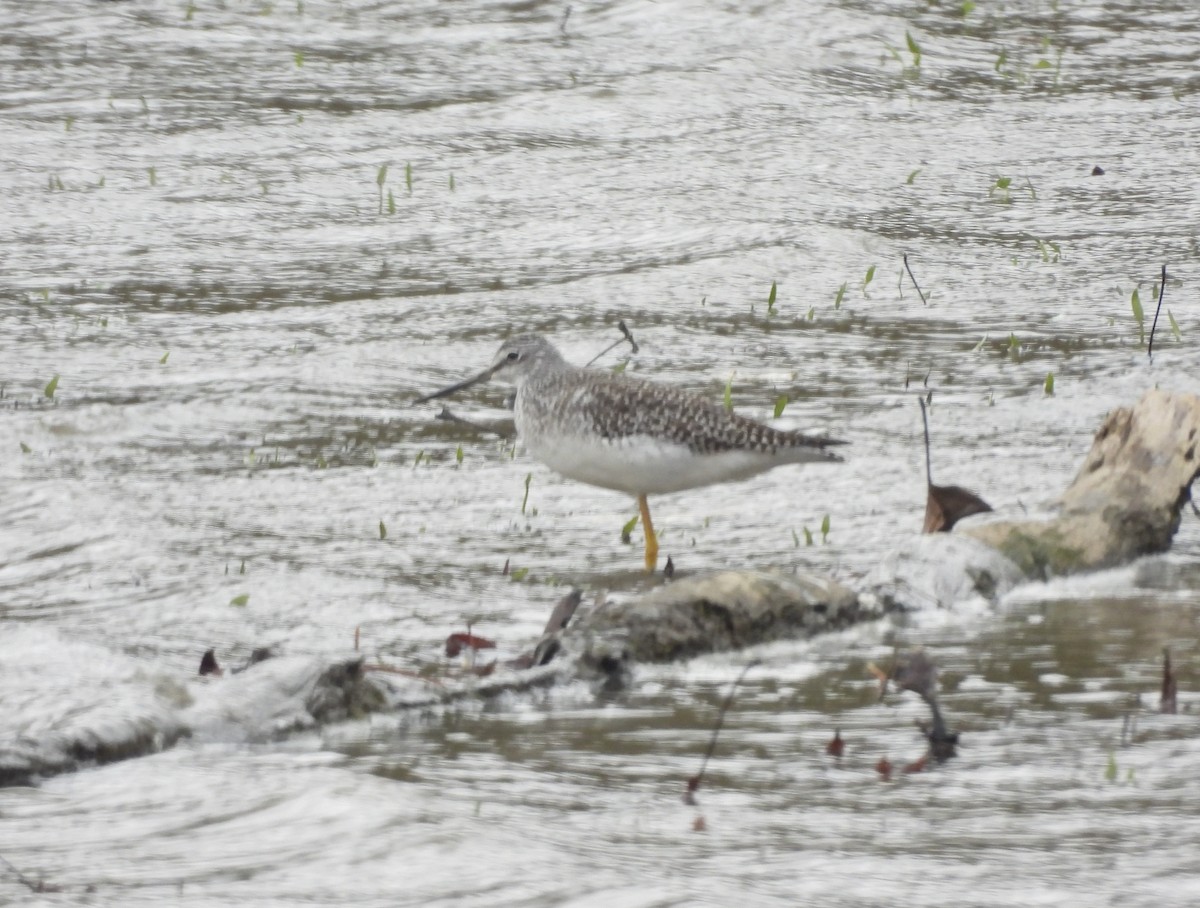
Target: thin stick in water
[[1161, 288], [914, 280], [694, 782], [31, 885], [925, 423], [626, 336]]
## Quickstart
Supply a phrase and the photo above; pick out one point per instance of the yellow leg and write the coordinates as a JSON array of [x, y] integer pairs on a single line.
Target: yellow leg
[[651, 539]]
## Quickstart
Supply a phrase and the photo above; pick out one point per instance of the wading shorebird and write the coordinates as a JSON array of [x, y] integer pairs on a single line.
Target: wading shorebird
[[633, 436]]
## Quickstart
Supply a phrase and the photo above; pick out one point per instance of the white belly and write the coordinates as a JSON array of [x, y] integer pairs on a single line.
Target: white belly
[[641, 465]]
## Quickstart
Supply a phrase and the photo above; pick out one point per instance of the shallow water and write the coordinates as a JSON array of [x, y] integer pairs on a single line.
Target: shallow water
[[193, 242]]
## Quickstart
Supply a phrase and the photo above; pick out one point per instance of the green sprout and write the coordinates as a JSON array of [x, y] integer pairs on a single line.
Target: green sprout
[[914, 51], [380, 178], [1050, 251], [870, 276], [913, 48], [627, 529], [1014, 347], [1135, 303]]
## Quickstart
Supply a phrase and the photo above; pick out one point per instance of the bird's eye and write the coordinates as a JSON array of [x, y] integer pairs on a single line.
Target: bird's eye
[[514, 356]]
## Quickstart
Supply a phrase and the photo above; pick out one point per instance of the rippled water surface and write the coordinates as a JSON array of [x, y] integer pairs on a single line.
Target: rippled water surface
[[239, 305]]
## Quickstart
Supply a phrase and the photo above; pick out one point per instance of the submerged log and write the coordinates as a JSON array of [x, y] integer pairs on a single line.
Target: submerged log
[[725, 611], [1126, 500]]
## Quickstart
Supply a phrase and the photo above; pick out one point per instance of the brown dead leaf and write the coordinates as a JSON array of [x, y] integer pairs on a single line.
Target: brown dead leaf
[[945, 505]]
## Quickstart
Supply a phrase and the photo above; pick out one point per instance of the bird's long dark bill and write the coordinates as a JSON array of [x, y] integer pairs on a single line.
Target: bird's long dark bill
[[454, 389]]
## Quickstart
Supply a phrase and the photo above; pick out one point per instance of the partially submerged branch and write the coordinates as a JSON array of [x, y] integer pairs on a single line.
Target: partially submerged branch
[[917, 673], [693, 784]]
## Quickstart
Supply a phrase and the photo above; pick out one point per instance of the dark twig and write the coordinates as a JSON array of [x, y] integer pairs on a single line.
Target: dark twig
[[925, 423], [626, 336], [918, 674], [1162, 286], [1168, 701], [548, 646], [914, 280], [562, 26], [693, 784], [500, 428], [32, 885]]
